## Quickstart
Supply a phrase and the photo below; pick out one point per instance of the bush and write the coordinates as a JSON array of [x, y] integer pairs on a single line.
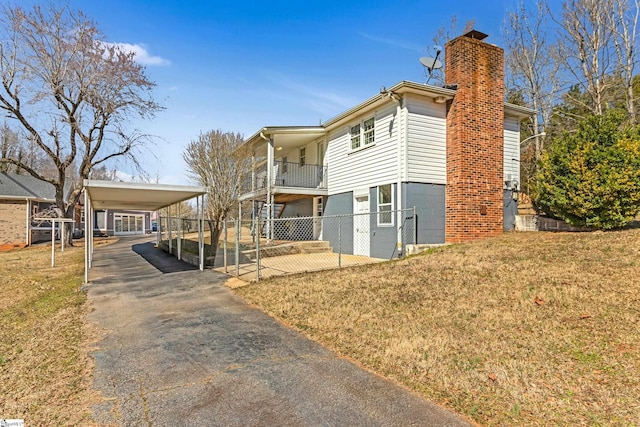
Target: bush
[[591, 177]]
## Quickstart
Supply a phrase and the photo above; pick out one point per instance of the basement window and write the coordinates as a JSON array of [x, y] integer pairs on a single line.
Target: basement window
[[385, 205]]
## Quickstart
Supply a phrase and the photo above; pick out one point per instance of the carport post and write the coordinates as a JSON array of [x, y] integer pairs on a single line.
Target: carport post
[[89, 219], [203, 258], [169, 228], [200, 231], [158, 228], [179, 232], [86, 234]]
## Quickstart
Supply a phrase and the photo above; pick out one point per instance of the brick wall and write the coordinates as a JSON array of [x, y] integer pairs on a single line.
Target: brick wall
[[475, 131], [12, 224]]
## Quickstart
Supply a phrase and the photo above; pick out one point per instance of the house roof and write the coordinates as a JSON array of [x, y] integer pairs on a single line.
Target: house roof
[[138, 196], [14, 186], [286, 135]]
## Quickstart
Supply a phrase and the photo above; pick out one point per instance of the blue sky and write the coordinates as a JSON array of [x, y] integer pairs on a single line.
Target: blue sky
[[239, 65]]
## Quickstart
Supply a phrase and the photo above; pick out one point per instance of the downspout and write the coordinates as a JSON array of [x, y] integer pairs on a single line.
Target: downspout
[[400, 144]]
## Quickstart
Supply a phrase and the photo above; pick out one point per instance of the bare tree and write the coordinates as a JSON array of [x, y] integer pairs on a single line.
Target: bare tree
[[9, 147], [216, 160], [442, 36], [623, 23], [72, 94], [531, 65], [585, 47]]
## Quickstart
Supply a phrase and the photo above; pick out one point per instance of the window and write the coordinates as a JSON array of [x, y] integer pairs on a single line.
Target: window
[[285, 165], [355, 137], [303, 156], [369, 131], [363, 134], [385, 203]]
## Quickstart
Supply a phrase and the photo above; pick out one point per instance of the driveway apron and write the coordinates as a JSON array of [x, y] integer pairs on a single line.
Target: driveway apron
[[181, 349]]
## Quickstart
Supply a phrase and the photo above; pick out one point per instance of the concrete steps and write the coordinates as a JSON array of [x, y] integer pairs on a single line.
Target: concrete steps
[[307, 247]]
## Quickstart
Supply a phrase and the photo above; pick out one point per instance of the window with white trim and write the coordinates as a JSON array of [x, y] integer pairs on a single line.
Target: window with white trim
[[363, 134], [385, 204], [355, 137], [369, 131]]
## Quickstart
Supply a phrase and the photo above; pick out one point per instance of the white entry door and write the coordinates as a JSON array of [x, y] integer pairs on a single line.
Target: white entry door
[[361, 226]]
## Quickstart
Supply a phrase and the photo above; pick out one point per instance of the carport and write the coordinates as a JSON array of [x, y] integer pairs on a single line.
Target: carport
[[136, 196]]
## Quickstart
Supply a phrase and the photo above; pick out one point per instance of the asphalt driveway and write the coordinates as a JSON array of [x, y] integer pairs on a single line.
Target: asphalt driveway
[[181, 349]]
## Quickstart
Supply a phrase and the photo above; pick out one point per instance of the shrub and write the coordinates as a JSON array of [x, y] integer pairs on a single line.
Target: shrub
[[591, 177]]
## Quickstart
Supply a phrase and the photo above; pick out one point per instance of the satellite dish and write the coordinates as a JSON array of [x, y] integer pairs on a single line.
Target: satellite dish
[[431, 63]]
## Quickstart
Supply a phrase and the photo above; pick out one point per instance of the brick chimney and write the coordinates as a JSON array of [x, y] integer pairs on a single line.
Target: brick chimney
[[475, 139]]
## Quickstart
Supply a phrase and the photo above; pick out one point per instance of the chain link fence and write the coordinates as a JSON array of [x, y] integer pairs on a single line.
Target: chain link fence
[[260, 248]]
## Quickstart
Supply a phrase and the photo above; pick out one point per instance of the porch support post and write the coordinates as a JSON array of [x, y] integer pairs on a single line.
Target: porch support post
[[269, 188]]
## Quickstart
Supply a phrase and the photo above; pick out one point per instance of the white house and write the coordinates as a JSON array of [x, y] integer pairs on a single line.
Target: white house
[[451, 152]]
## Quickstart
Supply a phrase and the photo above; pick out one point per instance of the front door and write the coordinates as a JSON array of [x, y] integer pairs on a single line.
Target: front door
[[361, 226], [317, 218]]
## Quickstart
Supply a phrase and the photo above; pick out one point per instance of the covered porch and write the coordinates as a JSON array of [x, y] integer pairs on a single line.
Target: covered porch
[[287, 165]]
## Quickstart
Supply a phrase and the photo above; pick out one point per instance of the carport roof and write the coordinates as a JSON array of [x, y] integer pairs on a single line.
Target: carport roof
[[138, 196]]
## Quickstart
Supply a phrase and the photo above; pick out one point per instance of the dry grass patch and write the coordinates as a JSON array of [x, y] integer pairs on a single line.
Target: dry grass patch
[[44, 368], [524, 329]]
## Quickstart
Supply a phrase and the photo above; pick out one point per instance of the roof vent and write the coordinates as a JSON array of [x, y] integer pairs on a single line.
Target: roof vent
[[475, 34]]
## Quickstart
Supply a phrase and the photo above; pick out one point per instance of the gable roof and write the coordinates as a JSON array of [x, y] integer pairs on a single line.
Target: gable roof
[[442, 94], [14, 186]]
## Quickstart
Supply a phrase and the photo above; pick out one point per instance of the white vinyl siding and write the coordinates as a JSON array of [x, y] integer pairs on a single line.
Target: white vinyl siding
[[511, 148], [426, 141], [368, 167]]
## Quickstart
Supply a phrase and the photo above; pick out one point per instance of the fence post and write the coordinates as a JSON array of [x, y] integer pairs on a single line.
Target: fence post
[[258, 250], [415, 226], [339, 242], [224, 250], [238, 227]]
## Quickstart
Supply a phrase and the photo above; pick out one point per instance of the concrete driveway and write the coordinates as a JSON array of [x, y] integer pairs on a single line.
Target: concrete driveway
[[181, 349]]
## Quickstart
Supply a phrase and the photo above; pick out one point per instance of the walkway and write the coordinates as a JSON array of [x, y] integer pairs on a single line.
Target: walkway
[[182, 349]]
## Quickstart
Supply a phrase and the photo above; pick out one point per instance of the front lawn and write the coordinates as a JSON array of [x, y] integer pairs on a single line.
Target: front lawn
[[45, 375]]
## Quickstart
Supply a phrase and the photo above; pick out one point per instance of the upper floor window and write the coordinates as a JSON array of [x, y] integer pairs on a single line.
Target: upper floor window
[[363, 134], [303, 156], [369, 131], [385, 204], [285, 165], [355, 137]]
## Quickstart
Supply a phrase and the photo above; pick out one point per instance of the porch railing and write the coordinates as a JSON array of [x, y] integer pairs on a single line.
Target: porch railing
[[289, 174]]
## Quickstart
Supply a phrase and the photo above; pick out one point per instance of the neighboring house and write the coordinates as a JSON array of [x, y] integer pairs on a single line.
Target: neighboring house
[[116, 222], [451, 152], [22, 197]]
